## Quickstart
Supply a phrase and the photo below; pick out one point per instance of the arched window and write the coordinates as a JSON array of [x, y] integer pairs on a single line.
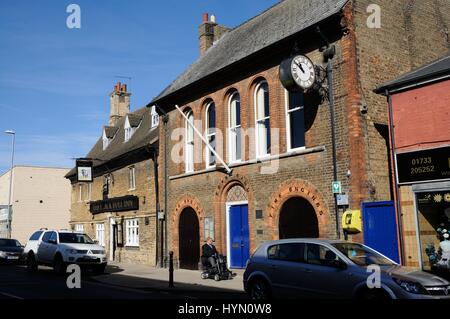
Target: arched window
[[234, 108], [189, 147], [211, 133], [262, 117]]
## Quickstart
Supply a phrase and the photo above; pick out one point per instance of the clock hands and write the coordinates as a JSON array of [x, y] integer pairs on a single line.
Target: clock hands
[[300, 66]]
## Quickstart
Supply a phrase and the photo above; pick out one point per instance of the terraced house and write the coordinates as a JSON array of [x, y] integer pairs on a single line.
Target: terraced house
[[275, 141], [118, 208]]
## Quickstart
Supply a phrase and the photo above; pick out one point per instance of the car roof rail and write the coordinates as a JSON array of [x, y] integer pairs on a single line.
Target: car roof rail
[[43, 228]]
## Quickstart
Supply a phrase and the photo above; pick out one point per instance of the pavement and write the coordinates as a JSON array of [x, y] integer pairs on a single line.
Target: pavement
[[151, 278]]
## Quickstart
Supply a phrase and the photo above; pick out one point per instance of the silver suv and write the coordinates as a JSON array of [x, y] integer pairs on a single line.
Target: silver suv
[[296, 268], [61, 248]]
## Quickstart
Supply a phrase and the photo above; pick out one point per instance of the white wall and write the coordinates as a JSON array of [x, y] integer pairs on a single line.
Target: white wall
[[31, 185]]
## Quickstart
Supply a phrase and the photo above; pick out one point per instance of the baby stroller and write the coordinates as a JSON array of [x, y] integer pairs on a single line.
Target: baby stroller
[[218, 272]]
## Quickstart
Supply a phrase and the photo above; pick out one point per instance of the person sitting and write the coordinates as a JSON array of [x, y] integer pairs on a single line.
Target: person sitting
[[209, 251]]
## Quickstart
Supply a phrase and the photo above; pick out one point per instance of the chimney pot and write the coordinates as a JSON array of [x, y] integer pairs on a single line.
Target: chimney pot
[[205, 17], [124, 88], [213, 18], [117, 87]]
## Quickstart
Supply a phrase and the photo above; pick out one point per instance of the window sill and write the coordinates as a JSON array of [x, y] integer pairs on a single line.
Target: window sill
[[291, 153], [132, 247]]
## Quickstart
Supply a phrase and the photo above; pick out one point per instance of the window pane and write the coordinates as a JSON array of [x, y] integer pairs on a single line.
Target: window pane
[[235, 109], [211, 116], [266, 99], [212, 142], [238, 143], [297, 123], [267, 129], [295, 100], [292, 252], [320, 255]]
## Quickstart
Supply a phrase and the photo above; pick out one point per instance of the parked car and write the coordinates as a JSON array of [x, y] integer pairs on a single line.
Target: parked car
[[58, 249], [313, 268], [11, 251]]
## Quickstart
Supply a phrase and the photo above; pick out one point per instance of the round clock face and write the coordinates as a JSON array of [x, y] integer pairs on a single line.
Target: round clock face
[[303, 72]]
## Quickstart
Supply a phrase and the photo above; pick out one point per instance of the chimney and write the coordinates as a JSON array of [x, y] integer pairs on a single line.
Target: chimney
[[119, 103], [209, 32]]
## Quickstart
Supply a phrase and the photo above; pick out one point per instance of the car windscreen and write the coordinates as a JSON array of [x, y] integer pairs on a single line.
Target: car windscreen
[[9, 243], [361, 255], [73, 238]]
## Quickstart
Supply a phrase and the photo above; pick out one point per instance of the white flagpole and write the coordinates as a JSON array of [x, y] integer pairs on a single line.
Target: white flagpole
[[228, 169]]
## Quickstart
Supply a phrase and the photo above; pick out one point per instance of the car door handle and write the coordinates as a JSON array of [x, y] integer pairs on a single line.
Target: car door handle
[[308, 271], [273, 266]]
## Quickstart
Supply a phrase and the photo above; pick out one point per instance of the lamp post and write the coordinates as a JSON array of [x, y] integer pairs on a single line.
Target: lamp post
[[13, 133]]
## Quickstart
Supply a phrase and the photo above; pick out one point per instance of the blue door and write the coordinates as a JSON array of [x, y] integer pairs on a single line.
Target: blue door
[[380, 228], [239, 236]]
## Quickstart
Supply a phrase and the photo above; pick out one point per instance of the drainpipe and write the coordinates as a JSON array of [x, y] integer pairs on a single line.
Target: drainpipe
[[333, 128], [398, 215], [157, 205], [328, 54], [166, 195]]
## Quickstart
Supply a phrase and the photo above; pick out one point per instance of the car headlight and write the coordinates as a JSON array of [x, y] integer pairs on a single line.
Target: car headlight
[[411, 287], [2, 254], [72, 251]]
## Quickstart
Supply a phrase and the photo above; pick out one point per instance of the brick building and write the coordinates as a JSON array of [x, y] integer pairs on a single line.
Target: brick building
[[278, 143], [419, 102], [119, 207]]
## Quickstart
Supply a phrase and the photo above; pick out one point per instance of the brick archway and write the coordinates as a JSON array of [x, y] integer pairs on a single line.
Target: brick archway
[[297, 188], [187, 201], [221, 192]]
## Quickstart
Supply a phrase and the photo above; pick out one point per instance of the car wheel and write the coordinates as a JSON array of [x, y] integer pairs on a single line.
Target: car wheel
[[259, 290], [32, 265], [58, 265]]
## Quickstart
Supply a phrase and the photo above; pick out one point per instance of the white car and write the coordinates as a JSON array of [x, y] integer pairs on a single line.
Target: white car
[[61, 248]]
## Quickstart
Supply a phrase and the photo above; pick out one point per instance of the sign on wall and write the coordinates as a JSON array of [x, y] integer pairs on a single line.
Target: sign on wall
[[421, 166], [84, 171], [117, 204]]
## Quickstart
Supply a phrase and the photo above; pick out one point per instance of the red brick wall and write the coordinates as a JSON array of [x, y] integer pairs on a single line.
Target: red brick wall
[[422, 117]]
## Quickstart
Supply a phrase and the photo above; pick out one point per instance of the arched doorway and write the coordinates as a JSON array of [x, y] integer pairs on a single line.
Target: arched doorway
[[298, 219], [189, 239]]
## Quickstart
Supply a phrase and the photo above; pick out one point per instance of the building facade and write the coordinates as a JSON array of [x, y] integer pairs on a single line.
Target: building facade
[[419, 104], [278, 143], [40, 198], [118, 209]]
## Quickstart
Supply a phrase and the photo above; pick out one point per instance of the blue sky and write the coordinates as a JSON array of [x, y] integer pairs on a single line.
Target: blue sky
[[55, 81]]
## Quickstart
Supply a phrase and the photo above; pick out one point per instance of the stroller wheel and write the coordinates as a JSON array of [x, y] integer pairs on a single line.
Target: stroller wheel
[[204, 275], [230, 275], [216, 277]]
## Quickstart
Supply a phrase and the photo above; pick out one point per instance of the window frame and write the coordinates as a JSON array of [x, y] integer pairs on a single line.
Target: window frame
[[262, 119], [79, 228], [232, 129], [100, 233], [209, 134], [132, 239], [189, 144], [288, 123], [131, 178]]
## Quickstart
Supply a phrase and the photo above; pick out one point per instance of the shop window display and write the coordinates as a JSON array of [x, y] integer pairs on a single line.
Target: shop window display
[[434, 229]]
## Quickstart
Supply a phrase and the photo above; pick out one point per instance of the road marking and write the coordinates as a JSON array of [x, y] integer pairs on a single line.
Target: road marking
[[11, 296]]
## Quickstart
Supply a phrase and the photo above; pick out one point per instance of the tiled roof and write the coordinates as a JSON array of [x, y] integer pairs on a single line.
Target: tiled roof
[[284, 19]]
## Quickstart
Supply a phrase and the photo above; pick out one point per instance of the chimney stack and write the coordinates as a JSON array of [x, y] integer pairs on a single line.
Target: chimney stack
[[119, 103], [210, 32]]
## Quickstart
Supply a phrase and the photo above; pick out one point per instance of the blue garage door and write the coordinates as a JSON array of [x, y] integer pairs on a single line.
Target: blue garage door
[[239, 236], [380, 228]]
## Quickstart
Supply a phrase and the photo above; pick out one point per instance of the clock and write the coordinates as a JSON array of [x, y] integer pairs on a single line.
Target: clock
[[297, 73]]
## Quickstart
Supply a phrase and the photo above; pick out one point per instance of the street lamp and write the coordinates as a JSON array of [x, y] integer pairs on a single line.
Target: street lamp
[[13, 134]]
